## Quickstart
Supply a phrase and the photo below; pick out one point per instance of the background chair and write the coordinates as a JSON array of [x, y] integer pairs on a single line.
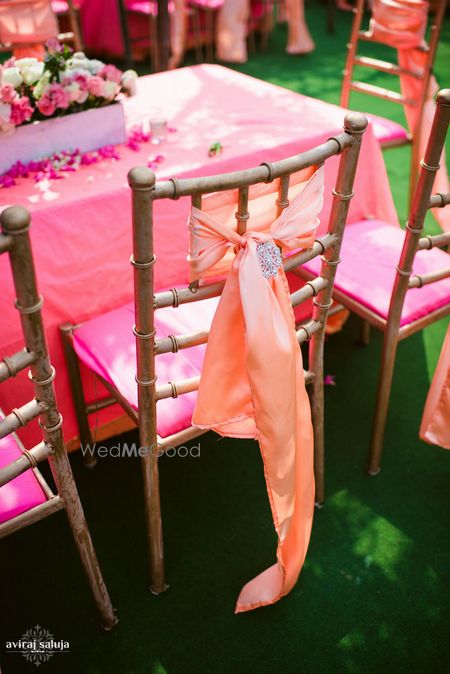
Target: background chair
[[398, 282], [67, 12], [25, 25], [25, 497], [389, 133], [159, 32], [171, 327]]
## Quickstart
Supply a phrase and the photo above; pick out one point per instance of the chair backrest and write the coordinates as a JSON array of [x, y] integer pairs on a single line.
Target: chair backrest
[[15, 241], [422, 201], [406, 33], [25, 22], [146, 192]]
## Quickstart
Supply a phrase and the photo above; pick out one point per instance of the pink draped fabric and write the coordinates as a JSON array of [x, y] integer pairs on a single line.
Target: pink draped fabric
[[252, 384], [435, 426], [402, 24]]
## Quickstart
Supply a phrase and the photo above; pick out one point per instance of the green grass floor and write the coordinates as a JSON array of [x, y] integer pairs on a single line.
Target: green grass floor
[[374, 592]]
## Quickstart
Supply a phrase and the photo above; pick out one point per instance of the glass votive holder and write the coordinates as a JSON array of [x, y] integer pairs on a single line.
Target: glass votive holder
[[158, 128]]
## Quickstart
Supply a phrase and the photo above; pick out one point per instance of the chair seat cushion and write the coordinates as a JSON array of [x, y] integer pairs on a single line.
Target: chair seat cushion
[[22, 493], [106, 345], [386, 130], [369, 257]]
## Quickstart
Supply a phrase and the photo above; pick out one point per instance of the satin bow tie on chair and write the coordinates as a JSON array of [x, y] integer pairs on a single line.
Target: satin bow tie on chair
[[252, 384]]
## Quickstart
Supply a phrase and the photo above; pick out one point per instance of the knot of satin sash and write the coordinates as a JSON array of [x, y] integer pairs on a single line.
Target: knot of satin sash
[[252, 383]]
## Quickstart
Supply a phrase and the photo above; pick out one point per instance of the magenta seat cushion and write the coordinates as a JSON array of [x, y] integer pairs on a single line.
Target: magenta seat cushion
[[369, 257], [22, 493], [106, 345], [386, 130]]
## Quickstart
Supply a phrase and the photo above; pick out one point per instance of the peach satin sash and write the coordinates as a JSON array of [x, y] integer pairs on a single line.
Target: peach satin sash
[[402, 24], [435, 426], [252, 384]]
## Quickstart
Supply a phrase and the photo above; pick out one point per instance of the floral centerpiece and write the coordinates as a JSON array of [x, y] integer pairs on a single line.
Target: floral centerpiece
[[35, 94]]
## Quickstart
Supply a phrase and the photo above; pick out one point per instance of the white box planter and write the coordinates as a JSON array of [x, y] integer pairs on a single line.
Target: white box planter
[[87, 130]]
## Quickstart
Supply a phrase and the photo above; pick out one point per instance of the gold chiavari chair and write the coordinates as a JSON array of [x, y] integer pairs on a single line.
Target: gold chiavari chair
[[25, 496], [389, 133], [398, 282], [157, 349]]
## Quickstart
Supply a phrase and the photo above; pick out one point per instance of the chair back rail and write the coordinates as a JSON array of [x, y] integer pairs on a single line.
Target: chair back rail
[[15, 224]]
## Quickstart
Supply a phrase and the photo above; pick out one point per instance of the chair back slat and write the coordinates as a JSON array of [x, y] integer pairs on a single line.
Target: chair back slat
[[283, 194], [242, 214]]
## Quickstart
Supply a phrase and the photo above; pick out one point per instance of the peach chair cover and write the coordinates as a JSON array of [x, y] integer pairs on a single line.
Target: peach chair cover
[[402, 24], [232, 30], [252, 384], [435, 426], [27, 25]]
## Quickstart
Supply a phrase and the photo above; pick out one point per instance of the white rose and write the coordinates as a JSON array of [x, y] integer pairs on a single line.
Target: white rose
[[5, 113], [129, 79], [40, 86], [109, 90], [32, 73], [12, 76], [95, 66], [78, 60], [27, 61]]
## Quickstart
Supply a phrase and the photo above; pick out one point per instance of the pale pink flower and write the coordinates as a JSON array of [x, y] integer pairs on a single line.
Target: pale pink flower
[[7, 93], [111, 73], [95, 85]]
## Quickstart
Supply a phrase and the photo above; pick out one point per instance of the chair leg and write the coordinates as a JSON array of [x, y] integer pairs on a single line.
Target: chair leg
[[150, 474], [195, 15], [385, 378], [69, 493], [364, 335], [317, 412], [73, 367]]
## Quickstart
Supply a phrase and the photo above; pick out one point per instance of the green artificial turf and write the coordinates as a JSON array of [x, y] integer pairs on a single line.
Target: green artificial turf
[[374, 592]]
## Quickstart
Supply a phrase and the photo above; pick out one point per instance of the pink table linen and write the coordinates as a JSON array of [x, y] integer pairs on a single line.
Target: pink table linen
[[435, 426], [81, 228]]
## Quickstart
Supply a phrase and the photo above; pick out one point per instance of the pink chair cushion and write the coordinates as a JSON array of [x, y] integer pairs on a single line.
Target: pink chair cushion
[[386, 130], [106, 345], [369, 257], [22, 493]]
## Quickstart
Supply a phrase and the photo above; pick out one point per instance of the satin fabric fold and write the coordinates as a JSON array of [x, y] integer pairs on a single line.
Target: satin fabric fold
[[435, 426], [402, 24], [252, 383]]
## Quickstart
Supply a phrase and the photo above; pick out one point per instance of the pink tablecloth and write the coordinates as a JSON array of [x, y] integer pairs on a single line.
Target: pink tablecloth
[[81, 229]]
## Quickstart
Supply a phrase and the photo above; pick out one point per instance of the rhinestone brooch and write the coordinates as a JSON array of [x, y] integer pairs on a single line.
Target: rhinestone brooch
[[269, 257]]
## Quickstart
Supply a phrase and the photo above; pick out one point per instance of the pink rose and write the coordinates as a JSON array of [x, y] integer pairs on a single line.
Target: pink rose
[[95, 85], [21, 111], [111, 73], [59, 95], [46, 106], [7, 93]]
